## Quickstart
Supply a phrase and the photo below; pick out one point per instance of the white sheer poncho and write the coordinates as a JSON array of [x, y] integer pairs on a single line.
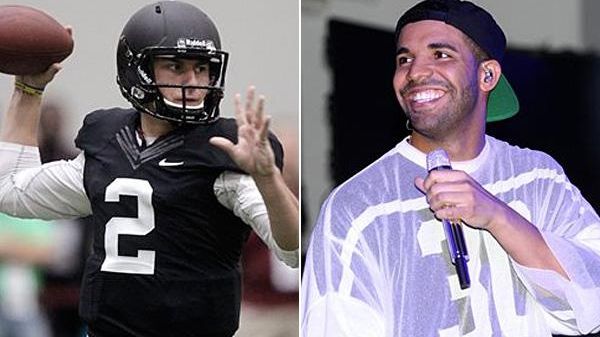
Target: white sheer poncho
[[378, 263]]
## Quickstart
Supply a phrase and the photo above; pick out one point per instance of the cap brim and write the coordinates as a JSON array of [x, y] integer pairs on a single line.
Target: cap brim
[[502, 102]]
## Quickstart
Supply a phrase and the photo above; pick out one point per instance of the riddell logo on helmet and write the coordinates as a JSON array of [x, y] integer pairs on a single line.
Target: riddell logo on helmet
[[187, 42], [144, 76]]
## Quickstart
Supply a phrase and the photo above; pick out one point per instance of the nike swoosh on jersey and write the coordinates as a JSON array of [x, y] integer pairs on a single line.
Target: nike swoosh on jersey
[[164, 162]]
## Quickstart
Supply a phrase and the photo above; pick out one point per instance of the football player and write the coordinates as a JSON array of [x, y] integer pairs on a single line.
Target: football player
[[173, 189]]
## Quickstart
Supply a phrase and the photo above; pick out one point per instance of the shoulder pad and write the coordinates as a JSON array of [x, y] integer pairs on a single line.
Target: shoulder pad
[[100, 126]]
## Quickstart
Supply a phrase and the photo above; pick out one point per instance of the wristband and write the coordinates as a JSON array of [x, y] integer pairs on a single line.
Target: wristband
[[26, 88]]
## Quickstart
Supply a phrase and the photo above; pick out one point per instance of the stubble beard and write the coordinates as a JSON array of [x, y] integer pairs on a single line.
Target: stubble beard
[[439, 124]]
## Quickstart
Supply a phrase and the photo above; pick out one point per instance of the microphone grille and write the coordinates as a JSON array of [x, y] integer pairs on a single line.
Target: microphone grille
[[437, 158]]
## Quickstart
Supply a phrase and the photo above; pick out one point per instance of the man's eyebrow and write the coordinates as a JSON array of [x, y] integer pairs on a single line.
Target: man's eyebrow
[[401, 50], [442, 45], [433, 46]]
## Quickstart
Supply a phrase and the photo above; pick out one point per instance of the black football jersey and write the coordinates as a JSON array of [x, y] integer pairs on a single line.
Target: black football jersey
[[165, 258]]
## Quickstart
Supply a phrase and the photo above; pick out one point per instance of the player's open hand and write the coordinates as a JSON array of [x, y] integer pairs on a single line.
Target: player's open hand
[[253, 152]]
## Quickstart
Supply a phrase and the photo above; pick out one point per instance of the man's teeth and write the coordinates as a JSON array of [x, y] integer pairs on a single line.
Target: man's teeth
[[427, 96]]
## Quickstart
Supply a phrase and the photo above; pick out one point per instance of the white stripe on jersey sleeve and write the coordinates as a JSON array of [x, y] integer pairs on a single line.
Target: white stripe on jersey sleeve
[[51, 191], [238, 193]]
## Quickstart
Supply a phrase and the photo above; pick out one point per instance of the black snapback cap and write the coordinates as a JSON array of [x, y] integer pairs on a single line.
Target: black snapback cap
[[479, 26]]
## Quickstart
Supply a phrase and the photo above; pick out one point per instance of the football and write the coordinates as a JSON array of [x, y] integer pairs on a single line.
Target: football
[[30, 40]]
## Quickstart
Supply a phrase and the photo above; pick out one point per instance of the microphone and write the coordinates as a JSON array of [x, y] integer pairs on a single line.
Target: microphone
[[438, 160]]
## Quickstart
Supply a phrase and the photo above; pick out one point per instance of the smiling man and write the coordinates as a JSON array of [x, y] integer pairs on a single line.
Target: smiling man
[[378, 263]]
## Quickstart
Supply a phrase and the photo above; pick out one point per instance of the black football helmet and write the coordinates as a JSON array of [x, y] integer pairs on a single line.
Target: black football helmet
[[170, 29]]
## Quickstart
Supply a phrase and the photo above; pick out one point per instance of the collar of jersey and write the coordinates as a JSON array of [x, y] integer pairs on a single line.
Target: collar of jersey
[[416, 156]]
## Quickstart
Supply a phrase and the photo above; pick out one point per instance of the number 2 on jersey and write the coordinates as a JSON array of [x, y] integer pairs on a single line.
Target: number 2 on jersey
[[143, 263]]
